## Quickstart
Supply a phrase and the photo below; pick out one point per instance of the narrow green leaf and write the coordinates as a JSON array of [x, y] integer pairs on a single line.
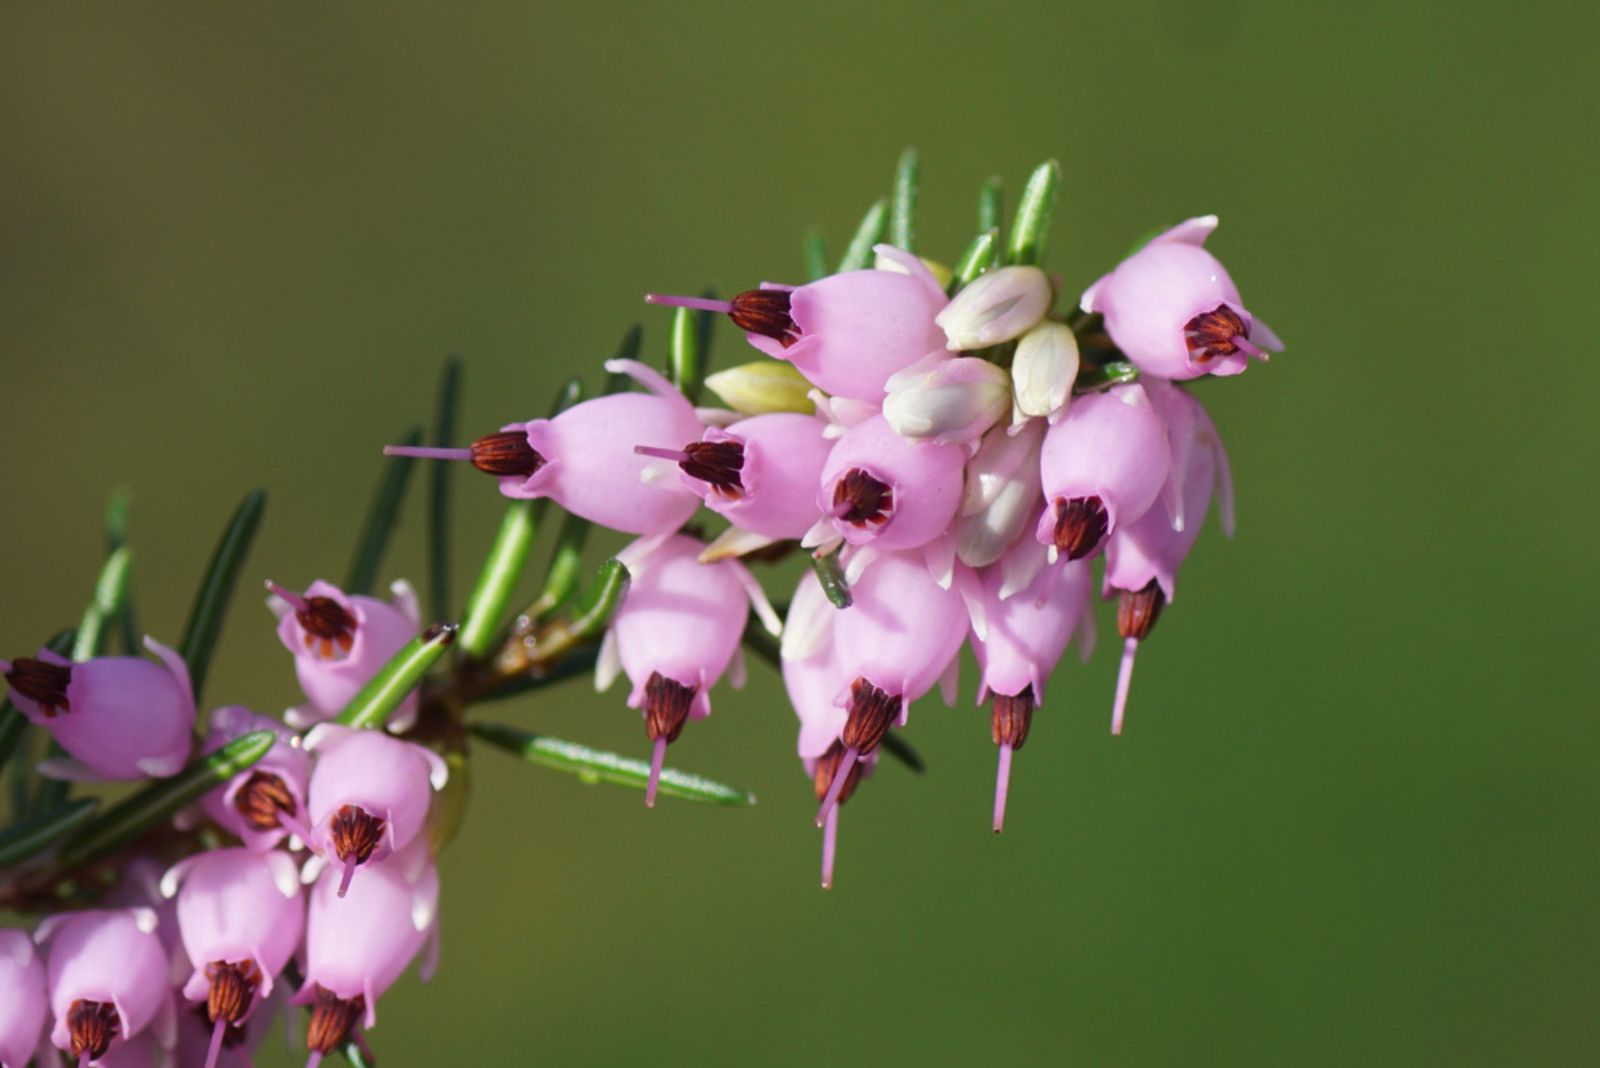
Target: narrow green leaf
[[831, 575], [566, 565], [497, 580], [12, 724], [159, 801], [764, 645], [874, 225], [1115, 373], [216, 589], [445, 406], [567, 396], [816, 255], [1032, 224], [110, 594], [684, 364], [979, 257], [627, 349], [903, 213], [32, 836], [989, 204], [118, 506], [594, 766], [902, 750], [383, 515], [382, 694], [705, 328], [600, 599]]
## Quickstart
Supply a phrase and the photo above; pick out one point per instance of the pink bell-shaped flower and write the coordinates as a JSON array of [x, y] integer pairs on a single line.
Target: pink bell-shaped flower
[[1026, 633], [847, 333], [24, 1006], [675, 633], [369, 795], [880, 489], [118, 717], [1142, 561], [266, 801], [760, 473], [1102, 466], [1173, 310], [241, 915], [107, 980], [358, 946], [583, 459], [340, 641]]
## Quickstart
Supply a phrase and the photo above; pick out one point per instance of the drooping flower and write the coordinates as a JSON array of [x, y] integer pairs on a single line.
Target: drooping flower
[[358, 946], [369, 795], [847, 333], [267, 800], [118, 717], [583, 458], [998, 305], [948, 400], [340, 641], [1001, 499], [676, 632], [1103, 465], [880, 489], [107, 979], [24, 1006], [1043, 371], [1172, 308], [241, 915]]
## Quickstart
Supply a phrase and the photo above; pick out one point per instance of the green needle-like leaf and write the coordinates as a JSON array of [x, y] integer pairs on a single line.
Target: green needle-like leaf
[[902, 751], [763, 644], [32, 836], [594, 766], [12, 724], [600, 599], [497, 580], [446, 405], [566, 565], [1032, 224], [1115, 373], [874, 225], [816, 255], [684, 364], [216, 589], [160, 800], [903, 212], [979, 257], [382, 517], [989, 204], [371, 705], [117, 508], [110, 594], [831, 575], [705, 327]]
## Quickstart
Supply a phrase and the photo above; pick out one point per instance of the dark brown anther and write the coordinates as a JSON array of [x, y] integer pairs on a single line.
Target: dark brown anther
[[42, 682], [765, 312], [666, 707], [828, 767], [1080, 526], [1010, 718], [506, 453], [262, 799], [871, 712], [332, 1018], [93, 1026], [717, 463], [861, 499], [232, 987], [1210, 334], [355, 833], [326, 624], [1137, 610]]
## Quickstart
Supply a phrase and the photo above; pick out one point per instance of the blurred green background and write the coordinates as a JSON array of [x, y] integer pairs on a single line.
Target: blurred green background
[[1352, 818]]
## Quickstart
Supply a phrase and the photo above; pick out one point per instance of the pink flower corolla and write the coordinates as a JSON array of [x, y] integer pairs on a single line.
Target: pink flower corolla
[[1173, 310], [23, 1004], [107, 980], [1142, 561], [881, 490], [340, 641], [118, 717], [847, 333], [241, 915], [1103, 465], [676, 632], [1027, 631], [760, 473], [357, 947], [267, 801], [369, 795], [583, 458], [897, 640]]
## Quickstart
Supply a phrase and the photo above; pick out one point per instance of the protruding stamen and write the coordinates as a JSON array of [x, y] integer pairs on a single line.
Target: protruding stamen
[[666, 706], [830, 840], [709, 304], [1124, 680], [717, 463], [355, 834], [658, 758], [233, 986], [263, 800], [1217, 333], [41, 682], [92, 1026], [504, 454], [872, 710], [329, 630], [332, 1017], [677, 456], [1081, 525], [841, 776], [861, 499], [755, 311], [1002, 783], [1138, 610], [349, 873], [1011, 717]]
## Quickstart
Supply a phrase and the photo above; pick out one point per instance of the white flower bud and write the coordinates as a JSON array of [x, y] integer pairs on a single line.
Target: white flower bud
[[947, 400], [762, 387], [997, 306], [1043, 370], [1002, 494]]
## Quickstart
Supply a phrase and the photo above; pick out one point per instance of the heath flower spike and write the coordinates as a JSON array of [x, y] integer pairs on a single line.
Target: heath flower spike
[[25, 1007], [107, 980], [1172, 308], [340, 641], [118, 717], [266, 802], [999, 305]]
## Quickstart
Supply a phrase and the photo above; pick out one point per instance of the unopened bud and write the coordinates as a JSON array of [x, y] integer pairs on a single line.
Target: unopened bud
[[1002, 494], [941, 273], [1043, 370], [761, 387], [998, 306], [949, 401]]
